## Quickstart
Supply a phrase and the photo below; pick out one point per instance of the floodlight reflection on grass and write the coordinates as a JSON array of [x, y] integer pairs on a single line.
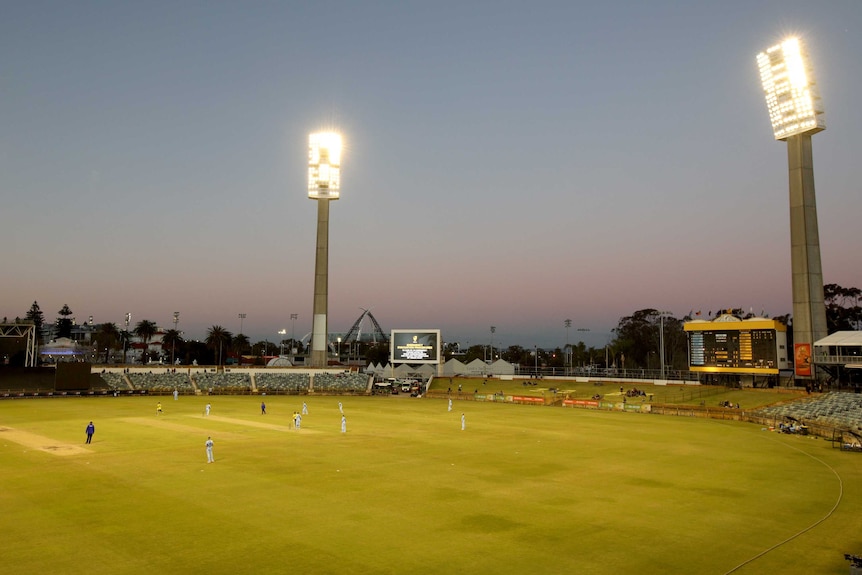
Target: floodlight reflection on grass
[[324, 165], [791, 94]]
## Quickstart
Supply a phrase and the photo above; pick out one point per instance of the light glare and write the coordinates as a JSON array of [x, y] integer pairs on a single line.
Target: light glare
[[791, 95], [324, 165]]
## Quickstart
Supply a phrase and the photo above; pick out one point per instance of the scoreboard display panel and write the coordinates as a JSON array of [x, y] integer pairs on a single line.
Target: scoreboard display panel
[[740, 346], [415, 346]]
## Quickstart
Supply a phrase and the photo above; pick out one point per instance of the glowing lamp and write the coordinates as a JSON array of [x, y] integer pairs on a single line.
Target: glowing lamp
[[791, 93], [324, 165]]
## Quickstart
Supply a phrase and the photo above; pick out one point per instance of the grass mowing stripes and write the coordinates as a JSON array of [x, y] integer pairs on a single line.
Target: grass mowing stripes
[[522, 490]]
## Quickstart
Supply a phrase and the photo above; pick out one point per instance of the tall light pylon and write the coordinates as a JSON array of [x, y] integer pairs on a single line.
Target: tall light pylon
[[796, 113], [324, 185]]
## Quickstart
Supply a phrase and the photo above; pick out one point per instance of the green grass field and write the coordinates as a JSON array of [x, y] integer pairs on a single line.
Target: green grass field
[[522, 490], [675, 394]]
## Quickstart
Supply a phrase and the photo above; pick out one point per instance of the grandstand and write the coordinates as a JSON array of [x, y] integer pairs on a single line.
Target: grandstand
[[223, 382], [291, 382], [115, 381], [161, 382], [347, 382], [839, 410]]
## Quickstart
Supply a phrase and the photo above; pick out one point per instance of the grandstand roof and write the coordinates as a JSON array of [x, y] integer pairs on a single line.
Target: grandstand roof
[[839, 338]]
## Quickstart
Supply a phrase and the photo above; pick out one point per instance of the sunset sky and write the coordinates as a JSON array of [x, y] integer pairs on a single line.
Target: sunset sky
[[507, 164]]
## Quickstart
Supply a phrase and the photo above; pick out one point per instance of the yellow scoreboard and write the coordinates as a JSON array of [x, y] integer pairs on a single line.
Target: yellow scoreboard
[[728, 344]]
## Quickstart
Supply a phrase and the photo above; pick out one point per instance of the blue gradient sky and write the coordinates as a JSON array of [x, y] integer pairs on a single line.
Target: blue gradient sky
[[507, 163]]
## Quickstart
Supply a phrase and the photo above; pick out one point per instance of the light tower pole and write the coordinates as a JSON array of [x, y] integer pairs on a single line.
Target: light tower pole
[[127, 321], [661, 316], [174, 344], [324, 184], [536, 354], [586, 329], [796, 113], [293, 318]]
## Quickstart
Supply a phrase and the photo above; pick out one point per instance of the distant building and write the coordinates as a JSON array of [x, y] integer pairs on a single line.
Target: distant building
[[840, 355], [86, 336]]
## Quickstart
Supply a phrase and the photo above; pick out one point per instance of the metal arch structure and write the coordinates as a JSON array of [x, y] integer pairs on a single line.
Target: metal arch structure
[[18, 330], [354, 334]]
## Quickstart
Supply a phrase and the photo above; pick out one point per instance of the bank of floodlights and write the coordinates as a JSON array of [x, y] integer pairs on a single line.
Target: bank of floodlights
[[791, 93], [324, 166]]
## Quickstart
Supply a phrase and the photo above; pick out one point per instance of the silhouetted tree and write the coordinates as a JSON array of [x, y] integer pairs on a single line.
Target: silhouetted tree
[[218, 338], [637, 336], [475, 352], [239, 344], [108, 337], [35, 315], [125, 338], [843, 312], [518, 355], [145, 330], [64, 322], [171, 340]]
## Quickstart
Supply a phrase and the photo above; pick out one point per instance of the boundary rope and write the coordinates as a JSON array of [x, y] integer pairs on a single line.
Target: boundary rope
[[810, 527]]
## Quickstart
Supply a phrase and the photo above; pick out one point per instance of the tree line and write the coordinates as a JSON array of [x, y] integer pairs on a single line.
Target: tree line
[[636, 341]]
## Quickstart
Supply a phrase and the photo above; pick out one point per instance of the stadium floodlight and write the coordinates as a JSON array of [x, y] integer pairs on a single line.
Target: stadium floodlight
[[791, 94], [796, 113], [324, 184], [324, 165], [282, 333]]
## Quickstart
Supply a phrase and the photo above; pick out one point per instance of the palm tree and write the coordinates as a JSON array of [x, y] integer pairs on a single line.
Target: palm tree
[[145, 330], [172, 337], [125, 336], [217, 338], [239, 344]]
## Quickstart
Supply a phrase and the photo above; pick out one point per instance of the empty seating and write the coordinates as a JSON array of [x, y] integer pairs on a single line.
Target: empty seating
[[282, 382], [347, 382], [114, 380], [223, 382], [162, 382], [834, 409]]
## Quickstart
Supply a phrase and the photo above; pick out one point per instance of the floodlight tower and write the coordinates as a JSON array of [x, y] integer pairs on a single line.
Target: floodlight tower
[[324, 184], [796, 113]]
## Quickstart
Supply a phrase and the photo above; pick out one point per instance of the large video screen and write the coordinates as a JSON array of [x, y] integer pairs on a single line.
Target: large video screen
[[415, 346]]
